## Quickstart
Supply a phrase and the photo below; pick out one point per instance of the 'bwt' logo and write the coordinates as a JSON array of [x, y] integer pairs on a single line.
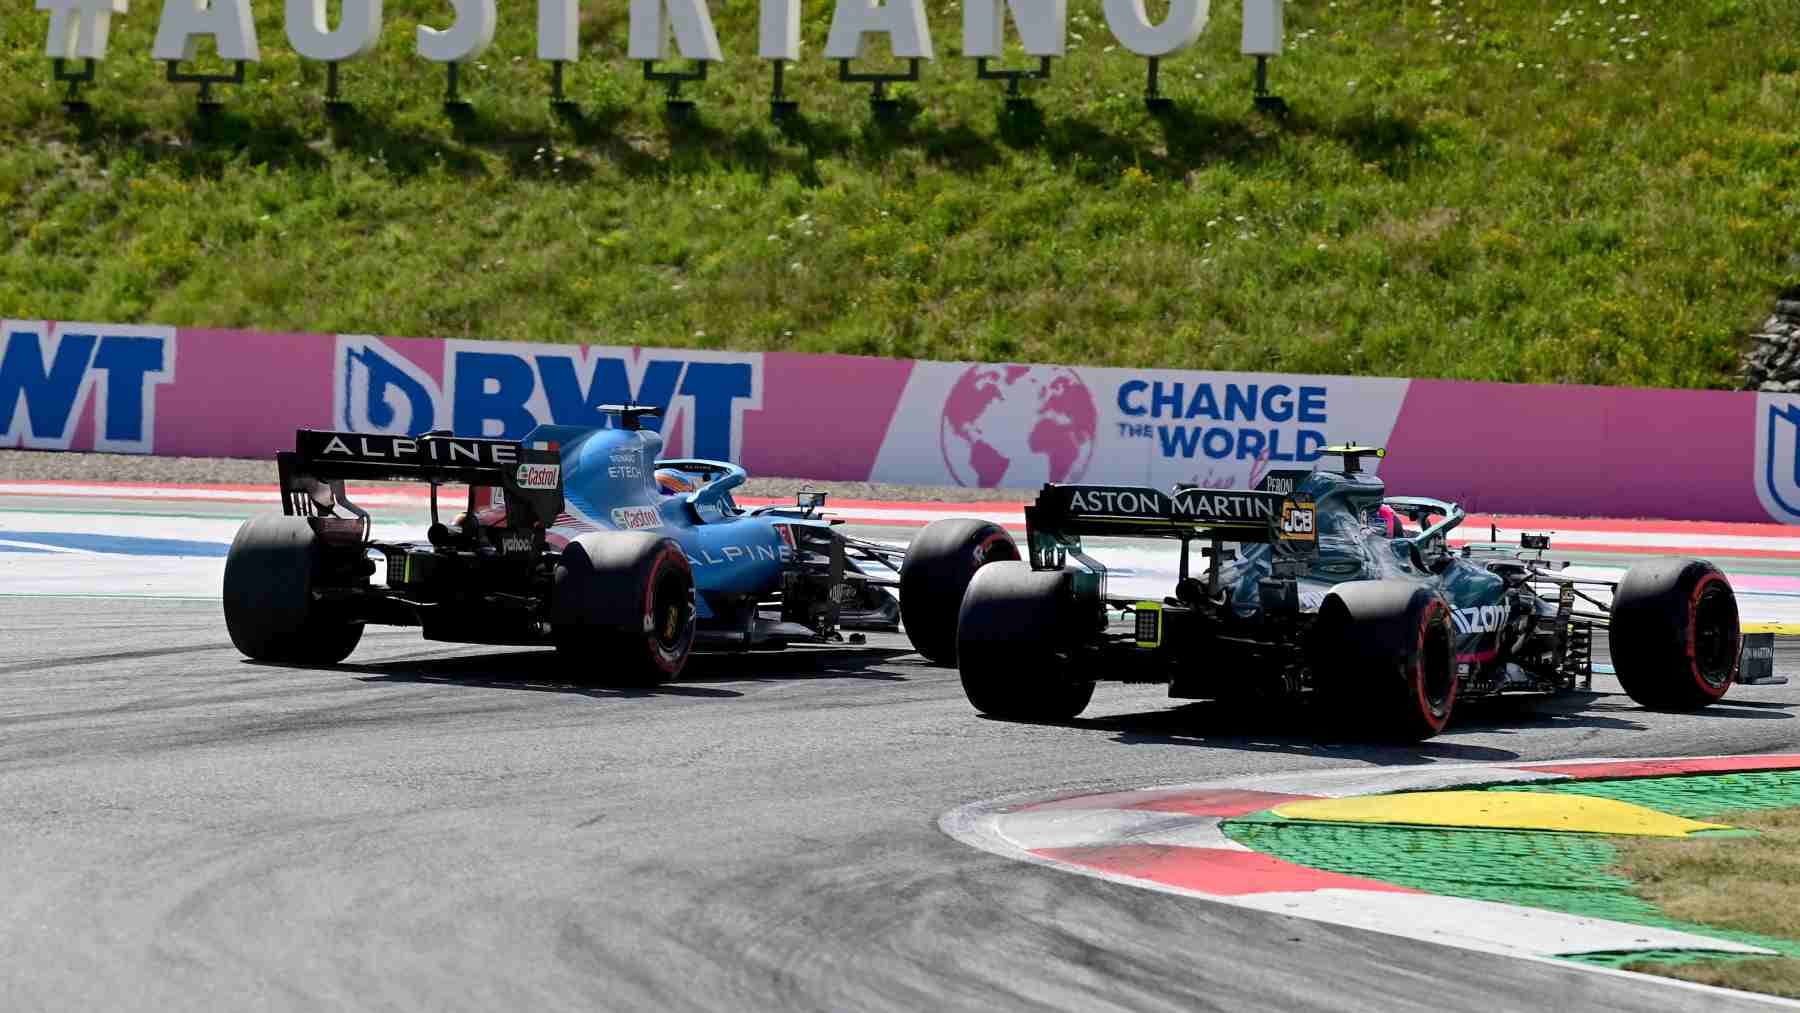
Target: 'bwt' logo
[[1778, 456], [48, 376], [378, 391], [495, 389]]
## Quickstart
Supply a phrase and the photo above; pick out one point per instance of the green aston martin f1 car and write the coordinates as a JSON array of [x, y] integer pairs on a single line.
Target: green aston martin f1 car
[[1319, 585]]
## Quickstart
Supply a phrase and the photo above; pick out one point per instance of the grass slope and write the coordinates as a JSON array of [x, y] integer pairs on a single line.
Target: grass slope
[[1582, 190], [1748, 884]]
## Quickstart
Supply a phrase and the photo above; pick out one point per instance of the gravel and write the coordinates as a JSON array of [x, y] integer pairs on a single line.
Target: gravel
[[71, 467]]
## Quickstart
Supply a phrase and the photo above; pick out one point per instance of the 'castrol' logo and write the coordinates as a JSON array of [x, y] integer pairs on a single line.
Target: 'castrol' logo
[[636, 518], [538, 476]]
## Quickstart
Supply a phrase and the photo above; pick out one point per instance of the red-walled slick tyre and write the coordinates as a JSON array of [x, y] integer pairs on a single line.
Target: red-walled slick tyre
[[274, 565], [1384, 653], [622, 608], [940, 563], [1674, 635]]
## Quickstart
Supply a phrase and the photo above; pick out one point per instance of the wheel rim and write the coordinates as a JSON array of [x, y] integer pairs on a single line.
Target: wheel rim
[[669, 607], [1437, 670], [997, 546], [1714, 642]]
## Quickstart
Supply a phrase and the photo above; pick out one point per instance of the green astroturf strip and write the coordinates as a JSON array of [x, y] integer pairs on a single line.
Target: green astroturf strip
[[1692, 796], [1567, 872], [1620, 958]]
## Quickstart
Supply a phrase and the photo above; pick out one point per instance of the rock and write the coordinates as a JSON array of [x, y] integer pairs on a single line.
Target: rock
[[1771, 362]]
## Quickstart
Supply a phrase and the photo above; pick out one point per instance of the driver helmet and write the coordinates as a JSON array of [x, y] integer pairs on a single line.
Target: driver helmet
[[1387, 521], [672, 481]]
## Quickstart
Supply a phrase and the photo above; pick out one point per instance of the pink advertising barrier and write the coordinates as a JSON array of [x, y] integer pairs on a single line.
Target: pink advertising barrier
[[1580, 451], [1564, 450]]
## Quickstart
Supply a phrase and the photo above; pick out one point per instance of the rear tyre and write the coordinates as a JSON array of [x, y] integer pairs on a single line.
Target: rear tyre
[[1384, 655], [270, 612], [1012, 649], [1674, 634], [940, 563], [622, 609]]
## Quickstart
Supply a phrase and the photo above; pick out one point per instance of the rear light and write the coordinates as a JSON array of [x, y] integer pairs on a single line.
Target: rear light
[[1149, 624]]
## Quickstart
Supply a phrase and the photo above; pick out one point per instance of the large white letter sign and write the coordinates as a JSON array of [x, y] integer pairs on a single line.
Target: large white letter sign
[[559, 32], [185, 21], [650, 24], [778, 36], [903, 21], [356, 34], [1131, 26], [466, 38], [78, 28], [1043, 26], [1262, 28]]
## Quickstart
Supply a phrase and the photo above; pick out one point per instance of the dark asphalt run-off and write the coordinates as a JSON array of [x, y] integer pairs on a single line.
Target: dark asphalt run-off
[[449, 827]]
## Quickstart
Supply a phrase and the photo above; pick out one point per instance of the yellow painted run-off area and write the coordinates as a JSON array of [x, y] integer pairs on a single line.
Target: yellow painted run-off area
[[1780, 629], [1498, 810]]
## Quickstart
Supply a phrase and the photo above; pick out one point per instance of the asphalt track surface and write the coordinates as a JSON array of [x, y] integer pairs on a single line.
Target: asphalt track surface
[[457, 828]]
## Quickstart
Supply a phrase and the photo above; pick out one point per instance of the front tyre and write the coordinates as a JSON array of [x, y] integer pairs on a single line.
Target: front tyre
[[270, 572], [1384, 654], [1674, 634], [622, 608], [939, 564], [1012, 644]]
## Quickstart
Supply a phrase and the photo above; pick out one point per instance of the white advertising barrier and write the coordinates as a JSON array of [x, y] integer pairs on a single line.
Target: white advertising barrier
[[1021, 426]]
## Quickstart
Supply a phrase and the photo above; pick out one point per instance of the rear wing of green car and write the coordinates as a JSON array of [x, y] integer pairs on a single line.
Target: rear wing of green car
[[1062, 514], [1234, 515]]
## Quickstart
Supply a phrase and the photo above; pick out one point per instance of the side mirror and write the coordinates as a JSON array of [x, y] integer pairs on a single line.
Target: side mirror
[[1434, 562]]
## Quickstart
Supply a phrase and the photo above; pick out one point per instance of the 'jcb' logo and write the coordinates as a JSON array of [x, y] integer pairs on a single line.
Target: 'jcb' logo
[[1297, 521]]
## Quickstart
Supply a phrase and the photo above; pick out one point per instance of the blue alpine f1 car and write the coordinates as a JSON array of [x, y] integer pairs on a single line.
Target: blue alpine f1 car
[[581, 538]]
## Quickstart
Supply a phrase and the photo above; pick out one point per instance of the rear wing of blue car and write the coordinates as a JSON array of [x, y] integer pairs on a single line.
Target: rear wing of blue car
[[313, 474]]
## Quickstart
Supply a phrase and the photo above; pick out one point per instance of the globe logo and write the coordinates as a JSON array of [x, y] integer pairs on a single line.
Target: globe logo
[[1021, 425]]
